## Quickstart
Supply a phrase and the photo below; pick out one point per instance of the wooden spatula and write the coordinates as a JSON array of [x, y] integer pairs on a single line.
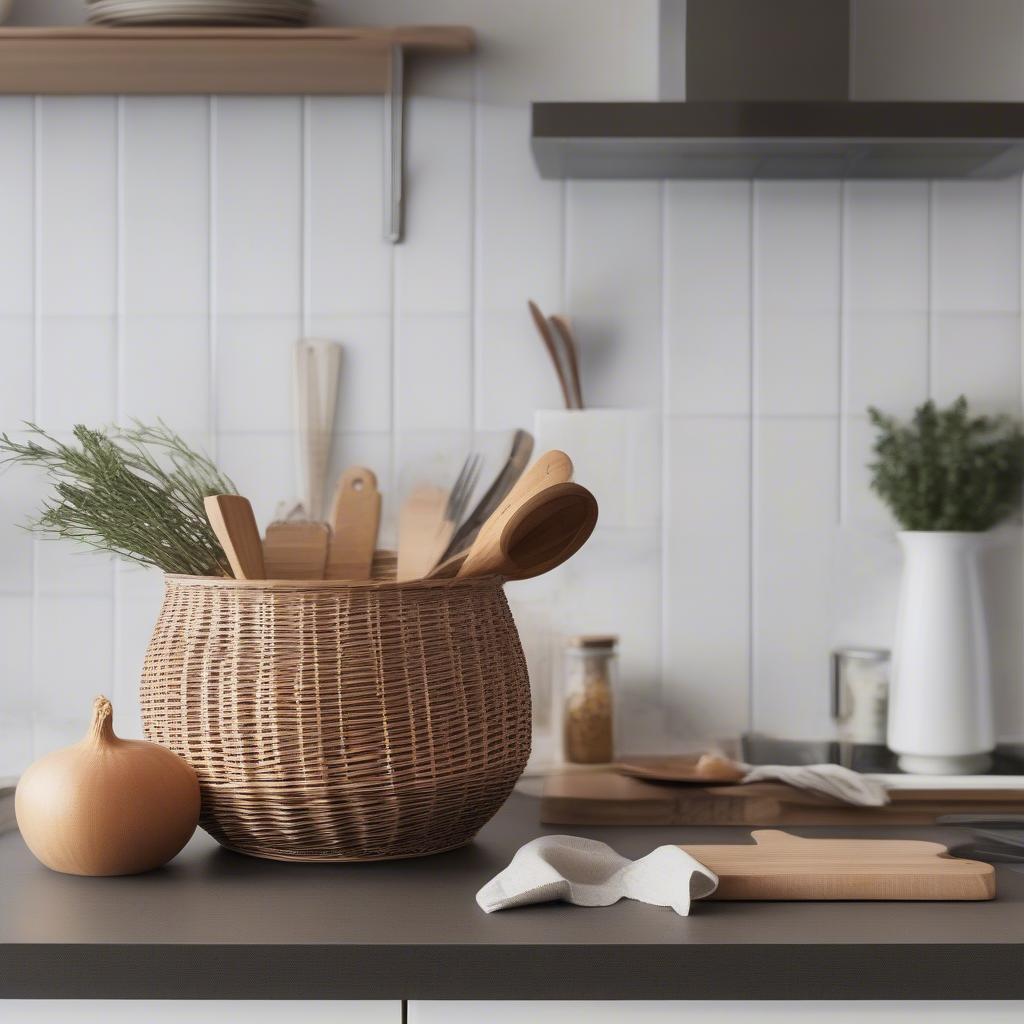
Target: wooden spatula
[[421, 531], [355, 520], [295, 550], [234, 524]]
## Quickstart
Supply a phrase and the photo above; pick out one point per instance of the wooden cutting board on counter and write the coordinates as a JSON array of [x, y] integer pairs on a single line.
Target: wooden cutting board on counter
[[607, 798], [779, 866]]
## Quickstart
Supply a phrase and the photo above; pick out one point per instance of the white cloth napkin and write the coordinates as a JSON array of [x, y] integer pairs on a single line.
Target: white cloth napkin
[[591, 874], [830, 779]]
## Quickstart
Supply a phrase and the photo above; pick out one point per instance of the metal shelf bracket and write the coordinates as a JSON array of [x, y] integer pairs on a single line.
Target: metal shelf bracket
[[394, 162]]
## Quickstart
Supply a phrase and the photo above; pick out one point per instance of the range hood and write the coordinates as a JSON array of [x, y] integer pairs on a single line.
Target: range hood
[[768, 87]]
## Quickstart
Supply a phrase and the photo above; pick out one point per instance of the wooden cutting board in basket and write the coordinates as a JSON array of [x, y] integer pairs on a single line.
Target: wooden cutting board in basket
[[608, 798], [779, 866]]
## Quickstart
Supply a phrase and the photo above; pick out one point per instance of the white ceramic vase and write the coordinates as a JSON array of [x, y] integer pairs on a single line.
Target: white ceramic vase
[[940, 705]]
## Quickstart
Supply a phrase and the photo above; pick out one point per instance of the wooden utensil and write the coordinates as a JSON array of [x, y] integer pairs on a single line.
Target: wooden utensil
[[553, 467], [508, 475], [780, 866], [554, 351], [544, 530], [683, 768], [428, 519], [355, 520], [605, 797], [295, 550], [421, 531], [234, 524], [317, 363], [571, 349]]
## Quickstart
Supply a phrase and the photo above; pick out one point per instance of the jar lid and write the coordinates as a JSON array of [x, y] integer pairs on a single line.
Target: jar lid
[[861, 653], [600, 641]]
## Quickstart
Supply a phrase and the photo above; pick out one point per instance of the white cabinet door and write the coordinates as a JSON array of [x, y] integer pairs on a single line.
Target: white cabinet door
[[200, 1011], [705, 1012]]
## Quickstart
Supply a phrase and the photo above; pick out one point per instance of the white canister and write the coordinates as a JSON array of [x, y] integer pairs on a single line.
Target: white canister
[[940, 704]]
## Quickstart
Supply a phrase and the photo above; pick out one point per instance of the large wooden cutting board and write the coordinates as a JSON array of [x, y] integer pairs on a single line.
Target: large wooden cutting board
[[607, 798], [779, 866]]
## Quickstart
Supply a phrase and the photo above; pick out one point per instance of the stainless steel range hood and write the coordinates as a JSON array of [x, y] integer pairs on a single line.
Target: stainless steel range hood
[[768, 86]]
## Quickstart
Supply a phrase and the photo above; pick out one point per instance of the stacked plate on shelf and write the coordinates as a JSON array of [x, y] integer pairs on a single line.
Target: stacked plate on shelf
[[199, 12]]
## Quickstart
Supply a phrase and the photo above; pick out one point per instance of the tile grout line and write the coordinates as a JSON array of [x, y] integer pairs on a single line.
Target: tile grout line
[[843, 437], [394, 275], [211, 274], [752, 475], [1020, 330], [305, 216], [37, 331], [665, 695], [474, 250], [119, 356], [929, 285]]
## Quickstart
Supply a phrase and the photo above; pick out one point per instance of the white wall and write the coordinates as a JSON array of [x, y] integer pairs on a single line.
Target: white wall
[[158, 257]]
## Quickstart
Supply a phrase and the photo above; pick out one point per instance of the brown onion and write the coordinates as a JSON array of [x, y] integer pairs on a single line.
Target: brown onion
[[107, 806]]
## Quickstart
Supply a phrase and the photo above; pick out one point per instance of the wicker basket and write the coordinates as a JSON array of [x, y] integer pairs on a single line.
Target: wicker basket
[[333, 721]]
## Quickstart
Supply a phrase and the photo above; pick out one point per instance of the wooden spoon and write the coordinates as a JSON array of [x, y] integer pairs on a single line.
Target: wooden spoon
[[543, 530], [234, 524], [355, 519], [551, 468]]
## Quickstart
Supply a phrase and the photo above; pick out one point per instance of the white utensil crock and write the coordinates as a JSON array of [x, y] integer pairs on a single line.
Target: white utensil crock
[[940, 707]]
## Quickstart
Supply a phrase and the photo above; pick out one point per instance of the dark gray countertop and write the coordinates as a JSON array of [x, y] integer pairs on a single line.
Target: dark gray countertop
[[215, 924]]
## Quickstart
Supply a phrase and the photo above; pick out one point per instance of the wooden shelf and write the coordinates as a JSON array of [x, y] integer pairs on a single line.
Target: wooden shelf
[[264, 61], [333, 61]]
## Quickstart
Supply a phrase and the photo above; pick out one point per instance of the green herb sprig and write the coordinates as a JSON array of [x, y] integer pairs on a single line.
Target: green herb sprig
[[137, 493], [946, 469]]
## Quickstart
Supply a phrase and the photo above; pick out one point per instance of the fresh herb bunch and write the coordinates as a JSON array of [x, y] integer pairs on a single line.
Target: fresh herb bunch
[[946, 469], [136, 492]]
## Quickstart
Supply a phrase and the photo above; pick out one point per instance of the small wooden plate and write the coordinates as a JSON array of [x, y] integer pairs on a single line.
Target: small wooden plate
[[703, 768]]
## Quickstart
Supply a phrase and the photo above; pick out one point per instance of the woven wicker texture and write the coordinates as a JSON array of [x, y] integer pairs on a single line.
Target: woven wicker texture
[[340, 721]]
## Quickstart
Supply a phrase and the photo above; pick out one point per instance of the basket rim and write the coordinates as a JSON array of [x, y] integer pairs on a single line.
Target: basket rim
[[490, 582]]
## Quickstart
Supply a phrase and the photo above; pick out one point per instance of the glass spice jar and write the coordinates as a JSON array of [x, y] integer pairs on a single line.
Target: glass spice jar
[[588, 720]]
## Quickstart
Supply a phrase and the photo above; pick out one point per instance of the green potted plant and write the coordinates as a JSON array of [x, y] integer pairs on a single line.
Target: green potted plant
[[948, 478]]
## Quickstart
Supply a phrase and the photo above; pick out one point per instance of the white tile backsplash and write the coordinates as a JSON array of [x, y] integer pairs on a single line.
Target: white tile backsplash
[[706, 613], [976, 246], [349, 271], [165, 216], [433, 266], [978, 355], [796, 502], [76, 205], [887, 357], [257, 178], [159, 256], [886, 231], [17, 186]]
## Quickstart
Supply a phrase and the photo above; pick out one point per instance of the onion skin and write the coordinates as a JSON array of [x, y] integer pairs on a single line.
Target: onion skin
[[107, 806]]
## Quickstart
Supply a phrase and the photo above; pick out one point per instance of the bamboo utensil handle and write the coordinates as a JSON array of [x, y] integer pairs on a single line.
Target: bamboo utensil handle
[[564, 328], [544, 330], [234, 524], [355, 520]]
